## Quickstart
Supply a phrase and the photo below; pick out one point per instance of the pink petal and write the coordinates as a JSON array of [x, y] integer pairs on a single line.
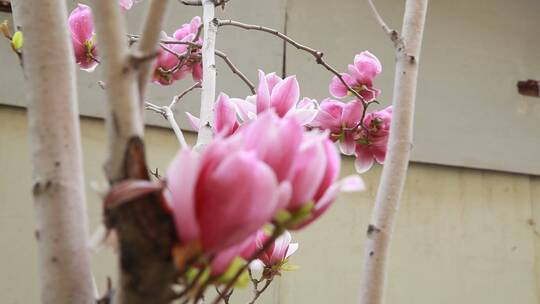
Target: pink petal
[[236, 199], [276, 142], [263, 94], [194, 121], [197, 71], [225, 116], [81, 24], [285, 193], [272, 79], [329, 116], [364, 159], [331, 172], [368, 64], [352, 113], [347, 145], [125, 5], [352, 183], [244, 108], [181, 182], [307, 104], [303, 117], [291, 250], [223, 260], [285, 95], [337, 88], [308, 173]]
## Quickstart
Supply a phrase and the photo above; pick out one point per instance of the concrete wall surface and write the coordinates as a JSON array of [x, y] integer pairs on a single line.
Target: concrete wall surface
[[463, 236]]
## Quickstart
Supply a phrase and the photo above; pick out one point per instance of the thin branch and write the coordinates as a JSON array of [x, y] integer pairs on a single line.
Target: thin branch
[[149, 42], [393, 34], [258, 292], [318, 55], [178, 97], [200, 3], [169, 115], [132, 38], [236, 71]]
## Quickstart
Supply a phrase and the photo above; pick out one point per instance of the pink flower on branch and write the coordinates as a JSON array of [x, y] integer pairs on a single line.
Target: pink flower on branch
[[360, 77], [367, 141], [81, 27], [126, 5], [169, 67]]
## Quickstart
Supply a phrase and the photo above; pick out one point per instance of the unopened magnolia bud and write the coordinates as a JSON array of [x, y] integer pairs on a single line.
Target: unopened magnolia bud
[[4, 28], [17, 41]]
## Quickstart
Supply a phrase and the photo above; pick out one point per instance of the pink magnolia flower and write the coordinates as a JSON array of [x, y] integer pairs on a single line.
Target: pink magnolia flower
[[282, 95], [187, 32], [81, 27], [339, 117], [126, 5], [225, 120], [372, 144], [360, 77], [278, 253], [221, 197], [168, 68]]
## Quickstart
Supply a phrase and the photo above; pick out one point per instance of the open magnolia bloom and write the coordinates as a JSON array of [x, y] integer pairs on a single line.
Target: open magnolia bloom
[[270, 170], [360, 77], [81, 27], [280, 95], [169, 67], [83, 37]]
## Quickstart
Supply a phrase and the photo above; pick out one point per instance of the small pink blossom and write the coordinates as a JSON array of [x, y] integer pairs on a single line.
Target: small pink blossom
[[168, 67], [360, 77], [372, 144], [81, 27], [368, 142], [278, 252], [338, 117], [225, 120], [126, 5]]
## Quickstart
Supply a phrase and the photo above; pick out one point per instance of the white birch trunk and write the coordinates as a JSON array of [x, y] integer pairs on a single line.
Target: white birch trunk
[[397, 158], [149, 43], [58, 181], [208, 94], [125, 113]]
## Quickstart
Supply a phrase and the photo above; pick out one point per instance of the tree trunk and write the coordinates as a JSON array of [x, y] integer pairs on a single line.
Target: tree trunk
[[399, 147], [58, 182], [208, 94], [145, 229]]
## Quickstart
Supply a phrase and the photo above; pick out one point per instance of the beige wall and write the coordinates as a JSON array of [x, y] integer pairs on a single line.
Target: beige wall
[[463, 236]]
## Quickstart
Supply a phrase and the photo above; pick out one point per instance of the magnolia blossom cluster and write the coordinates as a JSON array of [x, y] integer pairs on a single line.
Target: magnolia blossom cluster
[[175, 59], [365, 138], [269, 170], [170, 64]]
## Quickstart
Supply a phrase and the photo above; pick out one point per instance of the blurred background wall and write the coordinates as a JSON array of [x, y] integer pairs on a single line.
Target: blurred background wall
[[467, 230]]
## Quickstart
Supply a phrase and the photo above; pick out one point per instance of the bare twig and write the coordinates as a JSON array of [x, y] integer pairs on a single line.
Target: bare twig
[[199, 2], [178, 97], [169, 115], [226, 297], [149, 42], [136, 38], [236, 71], [393, 34], [258, 292], [318, 55]]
